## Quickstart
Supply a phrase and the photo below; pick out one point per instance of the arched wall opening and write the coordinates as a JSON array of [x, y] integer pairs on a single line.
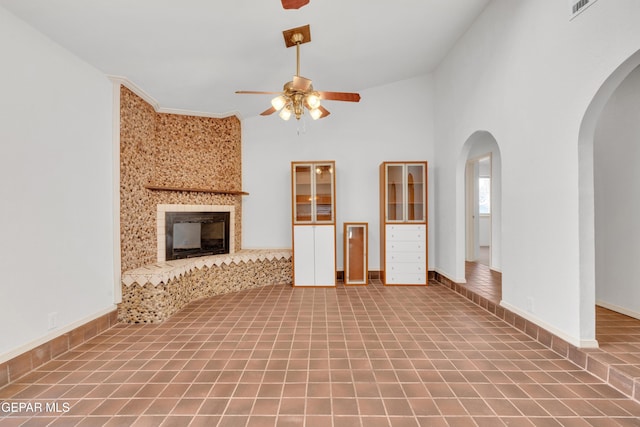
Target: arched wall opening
[[617, 199], [597, 131], [479, 145]]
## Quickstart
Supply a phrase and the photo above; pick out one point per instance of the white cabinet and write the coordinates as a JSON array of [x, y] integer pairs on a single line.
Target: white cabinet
[[405, 260], [314, 255], [313, 223], [403, 223]]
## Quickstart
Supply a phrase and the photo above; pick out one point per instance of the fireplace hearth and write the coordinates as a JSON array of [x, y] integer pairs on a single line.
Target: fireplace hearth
[[194, 234]]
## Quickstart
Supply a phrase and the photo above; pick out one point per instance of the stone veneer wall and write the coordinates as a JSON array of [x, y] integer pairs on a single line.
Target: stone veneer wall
[[174, 151]]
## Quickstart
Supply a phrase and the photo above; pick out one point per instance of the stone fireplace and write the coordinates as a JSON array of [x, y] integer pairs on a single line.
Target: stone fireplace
[[183, 164]]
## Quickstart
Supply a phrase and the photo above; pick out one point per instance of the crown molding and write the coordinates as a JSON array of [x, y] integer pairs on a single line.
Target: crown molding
[[181, 112], [156, 105]]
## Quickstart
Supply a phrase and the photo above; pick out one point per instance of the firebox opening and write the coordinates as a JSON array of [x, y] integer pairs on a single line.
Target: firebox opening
[[193, 234]]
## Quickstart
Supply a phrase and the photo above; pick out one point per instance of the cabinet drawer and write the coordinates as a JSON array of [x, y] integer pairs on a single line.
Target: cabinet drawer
[[406, 268], [406, 279], [417, 257], [405, 246], [406, 232]]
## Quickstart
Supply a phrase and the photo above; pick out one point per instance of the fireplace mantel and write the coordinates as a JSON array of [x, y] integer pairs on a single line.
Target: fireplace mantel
[[162, 187]]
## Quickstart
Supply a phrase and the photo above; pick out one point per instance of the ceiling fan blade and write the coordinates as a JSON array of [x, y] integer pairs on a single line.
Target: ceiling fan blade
[[268, 111], [325, 112], [340, 96], [294, 4], [301, 84], [254, 92]]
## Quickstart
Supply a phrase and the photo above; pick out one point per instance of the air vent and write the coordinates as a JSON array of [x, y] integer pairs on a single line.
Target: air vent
[[577, 7]]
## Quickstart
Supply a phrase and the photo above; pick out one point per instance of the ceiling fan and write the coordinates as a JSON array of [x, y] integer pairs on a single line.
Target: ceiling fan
[[294, 4], [298, 94]]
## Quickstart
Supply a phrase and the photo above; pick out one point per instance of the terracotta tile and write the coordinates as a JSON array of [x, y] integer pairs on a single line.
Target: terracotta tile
[[489, 421], [319, 420], [135, 407], [529, 408], [344, 421], [266, 406], [560, 346], [450, 406], [621, 381], [236, 359], [4, 374], [19, 366], [110, 407], [344, 406], [318, 406], [76, 337], [161, 406], [503, 407], [370, 406], [461, 421], [255, 421], [397, 407], [239, 406]]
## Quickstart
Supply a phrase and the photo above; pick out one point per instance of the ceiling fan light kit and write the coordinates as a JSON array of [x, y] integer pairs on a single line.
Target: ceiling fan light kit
[[298, 95]]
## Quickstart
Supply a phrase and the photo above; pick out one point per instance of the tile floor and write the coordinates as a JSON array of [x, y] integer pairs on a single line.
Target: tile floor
[[350, 356], [618, 336]]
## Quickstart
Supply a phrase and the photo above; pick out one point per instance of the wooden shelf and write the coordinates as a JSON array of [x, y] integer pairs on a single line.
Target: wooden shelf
[[158, 187]]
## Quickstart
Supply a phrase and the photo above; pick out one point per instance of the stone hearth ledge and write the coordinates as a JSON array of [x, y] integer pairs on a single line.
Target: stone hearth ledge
[[163, 272], [152, 293]]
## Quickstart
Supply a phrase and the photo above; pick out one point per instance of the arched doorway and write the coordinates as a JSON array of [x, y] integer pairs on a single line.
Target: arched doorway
[[480, 163], [617, 199], [595, 169]]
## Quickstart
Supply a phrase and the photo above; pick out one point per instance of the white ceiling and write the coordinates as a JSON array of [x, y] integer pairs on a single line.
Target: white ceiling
[[193, 54]]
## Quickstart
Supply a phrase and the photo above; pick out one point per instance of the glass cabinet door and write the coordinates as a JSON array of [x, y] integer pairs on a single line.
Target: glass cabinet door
[[355, 253], [302, 211], [323, 175], [395, 192], [415, 180]]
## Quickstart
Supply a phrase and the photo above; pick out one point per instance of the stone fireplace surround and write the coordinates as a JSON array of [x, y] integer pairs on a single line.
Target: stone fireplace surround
[[152, 293], [176, 162]]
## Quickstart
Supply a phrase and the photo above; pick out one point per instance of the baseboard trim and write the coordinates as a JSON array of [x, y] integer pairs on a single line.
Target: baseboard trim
[[618, 309], [448, 276], [24, 359], [555, 331]]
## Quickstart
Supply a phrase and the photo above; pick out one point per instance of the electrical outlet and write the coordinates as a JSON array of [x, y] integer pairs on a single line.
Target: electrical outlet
[[530, 304], [53, 320]]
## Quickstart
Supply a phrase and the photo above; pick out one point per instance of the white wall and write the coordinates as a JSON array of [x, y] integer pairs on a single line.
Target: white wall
[[56, 254], [617, 199], [389, 123], [484, 238], [527, 74]]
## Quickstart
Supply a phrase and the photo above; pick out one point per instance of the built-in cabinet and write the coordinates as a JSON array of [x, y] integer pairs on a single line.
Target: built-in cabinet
[[356, 241], [403, 223], [313, 222]]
